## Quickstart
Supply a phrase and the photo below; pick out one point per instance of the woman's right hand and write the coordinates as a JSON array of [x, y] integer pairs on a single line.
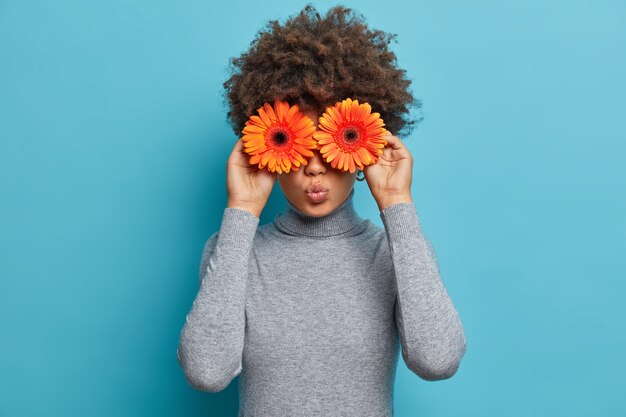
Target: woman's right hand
[[248, 186]]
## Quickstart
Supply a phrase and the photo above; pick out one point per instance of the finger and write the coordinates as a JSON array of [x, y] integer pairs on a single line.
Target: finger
[[239, 153], [240, 147], [393, 141]]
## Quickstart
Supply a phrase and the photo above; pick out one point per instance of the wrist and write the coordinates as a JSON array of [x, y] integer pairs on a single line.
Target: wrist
[[391, 200], [252, 208]]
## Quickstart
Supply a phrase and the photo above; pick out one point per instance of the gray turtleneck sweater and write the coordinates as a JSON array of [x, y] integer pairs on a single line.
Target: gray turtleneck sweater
[[312, 312]]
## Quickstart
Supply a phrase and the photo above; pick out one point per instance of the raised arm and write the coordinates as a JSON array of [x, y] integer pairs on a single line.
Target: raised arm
[[211, 341], [431, 333]]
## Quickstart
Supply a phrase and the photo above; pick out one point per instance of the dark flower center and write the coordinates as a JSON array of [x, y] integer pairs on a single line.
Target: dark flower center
[[280, 137], [350, 135]]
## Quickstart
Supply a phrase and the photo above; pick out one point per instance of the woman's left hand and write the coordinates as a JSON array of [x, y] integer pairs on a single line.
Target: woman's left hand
[[389, 179]]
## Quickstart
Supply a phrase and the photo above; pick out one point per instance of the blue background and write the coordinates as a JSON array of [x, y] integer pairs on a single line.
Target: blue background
[[112, 176]]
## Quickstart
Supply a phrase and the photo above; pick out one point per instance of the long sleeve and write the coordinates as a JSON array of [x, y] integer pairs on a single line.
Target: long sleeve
[[431, 333], [212, 339]]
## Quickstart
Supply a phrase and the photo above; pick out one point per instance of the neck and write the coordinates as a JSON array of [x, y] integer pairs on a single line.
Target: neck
[[342, 221]]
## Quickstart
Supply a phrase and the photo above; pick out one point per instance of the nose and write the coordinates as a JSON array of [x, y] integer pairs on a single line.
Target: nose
[[315, 165]]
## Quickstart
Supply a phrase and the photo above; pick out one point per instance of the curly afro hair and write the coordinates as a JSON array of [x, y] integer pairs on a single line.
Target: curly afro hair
[[315, 62]]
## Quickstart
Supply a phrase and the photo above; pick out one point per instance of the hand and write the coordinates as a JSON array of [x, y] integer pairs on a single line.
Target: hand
[[389, 179], [248, 186]]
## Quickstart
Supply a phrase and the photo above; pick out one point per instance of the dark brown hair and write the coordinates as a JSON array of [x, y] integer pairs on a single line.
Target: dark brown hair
[[314, 62]]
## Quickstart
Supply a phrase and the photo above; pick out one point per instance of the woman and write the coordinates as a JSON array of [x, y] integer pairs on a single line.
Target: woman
[[313, 308]]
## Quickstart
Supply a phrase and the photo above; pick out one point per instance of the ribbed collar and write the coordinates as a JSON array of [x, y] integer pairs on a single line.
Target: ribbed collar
[[342, 221]]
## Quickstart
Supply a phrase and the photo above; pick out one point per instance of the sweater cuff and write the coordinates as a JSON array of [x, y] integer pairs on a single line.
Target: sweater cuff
[[237, 229], [401, 221]]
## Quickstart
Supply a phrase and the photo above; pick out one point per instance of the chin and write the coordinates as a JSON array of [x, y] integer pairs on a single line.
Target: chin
[[318, 209]]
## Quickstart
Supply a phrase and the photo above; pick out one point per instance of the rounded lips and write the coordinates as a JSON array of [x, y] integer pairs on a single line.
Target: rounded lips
[[316, 188]]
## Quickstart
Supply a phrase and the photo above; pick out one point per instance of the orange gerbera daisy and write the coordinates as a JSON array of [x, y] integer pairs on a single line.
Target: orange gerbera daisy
[[279, 138], [350, 135]]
